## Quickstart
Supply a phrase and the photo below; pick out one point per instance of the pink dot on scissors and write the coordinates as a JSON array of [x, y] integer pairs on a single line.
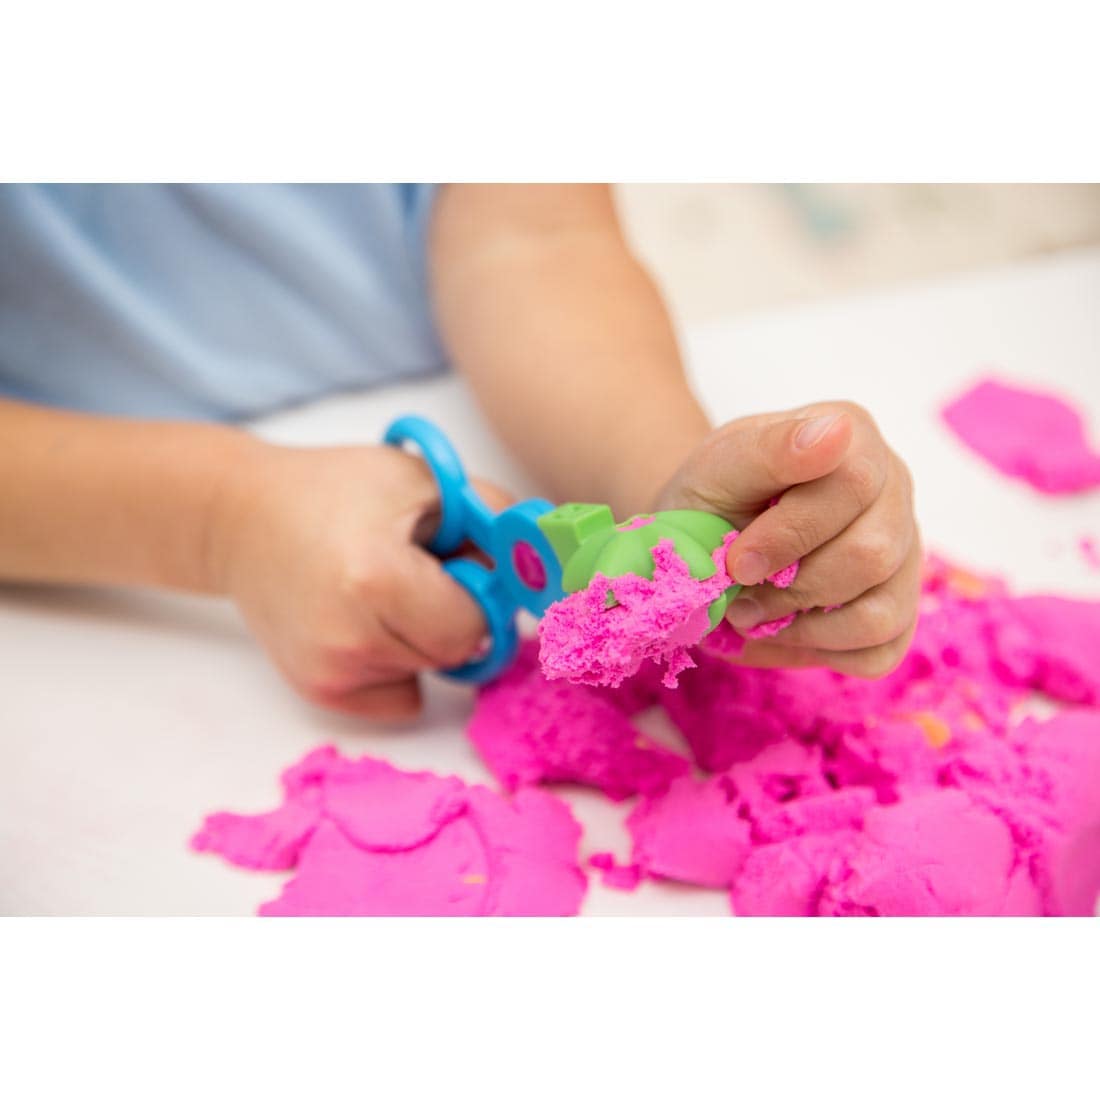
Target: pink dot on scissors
[[528, 566]]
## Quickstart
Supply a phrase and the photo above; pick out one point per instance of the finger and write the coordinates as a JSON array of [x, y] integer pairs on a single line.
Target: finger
[[738, 469], [419, 520], [413, 484], [808, 516], [424, 606], [878, 616], [864, 555], [388, 701], [374, 655], [497, 498], [872, 663]]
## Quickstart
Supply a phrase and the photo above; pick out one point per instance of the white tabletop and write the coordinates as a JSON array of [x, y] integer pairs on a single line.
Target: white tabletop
[[125, 717]]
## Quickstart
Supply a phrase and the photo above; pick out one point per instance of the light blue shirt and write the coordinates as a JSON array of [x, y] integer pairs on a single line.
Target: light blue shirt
[[214, 301]]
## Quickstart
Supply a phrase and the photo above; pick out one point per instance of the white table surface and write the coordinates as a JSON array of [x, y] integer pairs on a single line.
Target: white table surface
[[125, 717]]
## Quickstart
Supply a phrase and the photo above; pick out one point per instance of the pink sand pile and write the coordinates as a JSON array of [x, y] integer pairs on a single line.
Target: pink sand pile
[[1028, 435], [365, 839], [583, 640], [926, 792], [529, 729]]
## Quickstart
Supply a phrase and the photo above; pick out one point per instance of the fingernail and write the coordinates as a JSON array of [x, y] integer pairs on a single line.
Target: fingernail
[[813, 431], [751, 568], [744, 613]]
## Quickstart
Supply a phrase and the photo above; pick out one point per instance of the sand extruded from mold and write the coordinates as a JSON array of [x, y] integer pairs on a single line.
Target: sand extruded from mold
[[660, 620]]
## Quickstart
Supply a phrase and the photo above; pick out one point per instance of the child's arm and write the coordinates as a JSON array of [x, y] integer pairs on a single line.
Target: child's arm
[[564, 339], [567, 344], [316, 546], [90, 499]]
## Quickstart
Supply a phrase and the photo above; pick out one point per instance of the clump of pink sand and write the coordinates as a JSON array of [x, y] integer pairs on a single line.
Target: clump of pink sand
[[927, 792], [528, 730], [585, 641], [365, 839], [1033, 436]]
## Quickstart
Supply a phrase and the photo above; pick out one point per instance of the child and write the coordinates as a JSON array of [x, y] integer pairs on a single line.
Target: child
[[134, 318]]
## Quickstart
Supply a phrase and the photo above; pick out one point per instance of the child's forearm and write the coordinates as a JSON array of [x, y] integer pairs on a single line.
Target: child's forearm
[[564, 339], [91, 499]]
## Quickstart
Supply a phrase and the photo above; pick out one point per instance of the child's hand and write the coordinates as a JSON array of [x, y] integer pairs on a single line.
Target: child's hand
[[846, 511], [319, 550]]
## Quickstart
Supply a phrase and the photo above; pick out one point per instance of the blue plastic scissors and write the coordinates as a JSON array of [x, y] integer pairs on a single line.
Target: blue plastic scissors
[[525, 571]]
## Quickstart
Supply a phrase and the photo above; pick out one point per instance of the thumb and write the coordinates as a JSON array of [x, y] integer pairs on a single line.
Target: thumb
[[738, 469], [497, 498], [429, 610]]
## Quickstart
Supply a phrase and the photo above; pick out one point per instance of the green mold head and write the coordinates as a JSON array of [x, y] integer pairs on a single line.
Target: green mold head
[[587, 541]]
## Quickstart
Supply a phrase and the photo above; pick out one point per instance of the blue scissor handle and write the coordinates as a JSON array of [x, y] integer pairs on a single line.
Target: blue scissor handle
[[525, 574], [503, 639], [464, 513]]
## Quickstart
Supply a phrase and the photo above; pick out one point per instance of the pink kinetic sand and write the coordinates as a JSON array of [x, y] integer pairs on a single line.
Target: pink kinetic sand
[[586, 642], [530, 730], [1090, 552], [1033, 436], [618, 876], [928, 792], [368, 840], [925, 792]]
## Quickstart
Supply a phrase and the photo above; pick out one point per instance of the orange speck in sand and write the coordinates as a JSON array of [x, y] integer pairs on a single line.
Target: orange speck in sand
[[966, 584], [936, 730]]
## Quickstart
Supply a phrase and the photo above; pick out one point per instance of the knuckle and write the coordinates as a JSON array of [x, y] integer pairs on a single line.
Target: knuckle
[[368, 580], [777, 603], [772, 454], [881, 621], [798, 537], [792, 545], [877, 554], [362, 581], [863, 478]]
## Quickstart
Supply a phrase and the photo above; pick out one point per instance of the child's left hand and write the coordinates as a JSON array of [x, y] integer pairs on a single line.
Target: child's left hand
[[846, 512]]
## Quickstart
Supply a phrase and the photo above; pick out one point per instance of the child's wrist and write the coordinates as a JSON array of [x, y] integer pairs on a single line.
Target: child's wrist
[[236, 473]]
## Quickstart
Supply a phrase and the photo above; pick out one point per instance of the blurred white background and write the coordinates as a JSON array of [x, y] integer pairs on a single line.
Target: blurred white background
[[720, 248]]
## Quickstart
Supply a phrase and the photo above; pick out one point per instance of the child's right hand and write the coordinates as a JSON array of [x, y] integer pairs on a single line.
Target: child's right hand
[[321, 550]]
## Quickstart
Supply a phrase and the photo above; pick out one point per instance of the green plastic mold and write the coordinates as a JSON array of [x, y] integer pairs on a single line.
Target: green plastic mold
[[587, 541]]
